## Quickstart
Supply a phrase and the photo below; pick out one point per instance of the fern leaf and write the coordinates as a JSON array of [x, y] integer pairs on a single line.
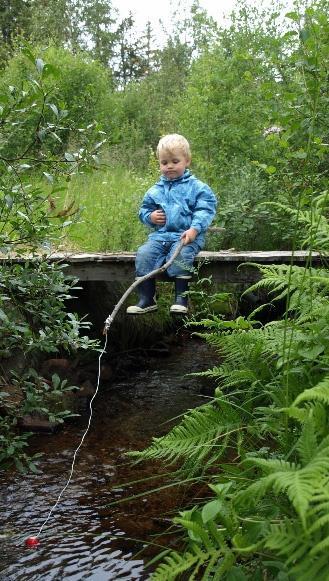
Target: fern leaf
[[319, 392], [307, 443], [290, 541], [320, 522], [192, 560], [287, 539], [320, 547], [196, 437], [226, 564], [298, 483], [311, 569], [176, 564], [198, 531], [273, 465], [298, 414], [299, 487]]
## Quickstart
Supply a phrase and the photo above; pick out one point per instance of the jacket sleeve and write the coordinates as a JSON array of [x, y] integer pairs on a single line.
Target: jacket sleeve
[[147, 207], [205, 209]]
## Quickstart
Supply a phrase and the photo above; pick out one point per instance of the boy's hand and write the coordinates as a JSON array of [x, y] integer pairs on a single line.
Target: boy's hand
[[189, 235], [158, 217]]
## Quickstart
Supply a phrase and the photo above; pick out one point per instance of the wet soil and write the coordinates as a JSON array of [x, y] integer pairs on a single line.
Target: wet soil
[[87, 536]]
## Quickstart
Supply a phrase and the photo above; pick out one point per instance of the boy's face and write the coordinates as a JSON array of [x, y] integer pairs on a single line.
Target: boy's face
[[173, 164]]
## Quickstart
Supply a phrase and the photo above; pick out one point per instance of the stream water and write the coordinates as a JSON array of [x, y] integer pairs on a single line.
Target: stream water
[[87, 537]]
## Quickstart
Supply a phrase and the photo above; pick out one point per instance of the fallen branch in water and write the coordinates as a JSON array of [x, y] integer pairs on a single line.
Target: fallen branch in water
[[138, 281]]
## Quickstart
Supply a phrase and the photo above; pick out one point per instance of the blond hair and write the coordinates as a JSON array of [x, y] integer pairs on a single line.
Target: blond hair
[[173, 142]]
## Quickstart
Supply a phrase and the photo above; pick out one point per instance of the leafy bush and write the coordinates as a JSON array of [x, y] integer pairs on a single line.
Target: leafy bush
[[70, 92], [33, 296], [249, 223]]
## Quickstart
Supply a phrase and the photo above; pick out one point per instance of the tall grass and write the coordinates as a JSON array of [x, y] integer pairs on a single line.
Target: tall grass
[[109, 201]]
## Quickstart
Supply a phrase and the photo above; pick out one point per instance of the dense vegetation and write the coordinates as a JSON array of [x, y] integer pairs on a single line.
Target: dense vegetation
[[222, 88], [34, 318], [253, 101]]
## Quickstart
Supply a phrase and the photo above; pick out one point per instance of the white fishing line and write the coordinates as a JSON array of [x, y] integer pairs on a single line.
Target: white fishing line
[[33, 541], [80, 444]]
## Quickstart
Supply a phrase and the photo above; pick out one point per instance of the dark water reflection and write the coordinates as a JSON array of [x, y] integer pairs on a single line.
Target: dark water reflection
[[85, 538]]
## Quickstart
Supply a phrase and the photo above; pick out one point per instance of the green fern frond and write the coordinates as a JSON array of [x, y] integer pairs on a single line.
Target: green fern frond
[[199, 532], [242, 348], [175, 564], [319, 511], [209, 555], [302, 283], [253, 493], [323, 444], [214, 372], [319, 523], [307, 443], [311, 568], [305, 558], [319, 413], [299, 487], [321, 278], [299, 414], [279, 206], [319, 392], [198, 435], [321, 500], [275, 278], [224, 567], [273, 465], [228, 377], [296, 545], [299, 483], [288, 540]]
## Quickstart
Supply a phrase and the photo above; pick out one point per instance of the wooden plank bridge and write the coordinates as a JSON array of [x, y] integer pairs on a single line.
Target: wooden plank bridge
[[226, 266]]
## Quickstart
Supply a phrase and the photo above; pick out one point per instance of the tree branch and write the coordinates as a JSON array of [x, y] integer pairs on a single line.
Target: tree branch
[[136, 282]]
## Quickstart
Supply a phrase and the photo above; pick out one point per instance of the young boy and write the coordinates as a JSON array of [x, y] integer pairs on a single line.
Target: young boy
[[178, 207]]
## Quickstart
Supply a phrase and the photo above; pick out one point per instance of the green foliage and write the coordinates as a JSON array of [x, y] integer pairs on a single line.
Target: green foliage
[[55, 101], [270, 412], [14, 18], [34, 320], [248, 97], [101, 228], [13, 447], [96, 18], [52, 21], [200, 439], [41, 396], [252, 99], [206, 298], [33, 313]]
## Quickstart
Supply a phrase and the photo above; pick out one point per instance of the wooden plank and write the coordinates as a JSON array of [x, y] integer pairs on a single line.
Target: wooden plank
[[223, 266]]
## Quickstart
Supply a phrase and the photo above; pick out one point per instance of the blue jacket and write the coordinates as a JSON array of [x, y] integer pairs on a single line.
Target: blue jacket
[[187, 203]]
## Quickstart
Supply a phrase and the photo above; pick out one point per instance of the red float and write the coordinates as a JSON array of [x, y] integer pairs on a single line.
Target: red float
[[32, 542]]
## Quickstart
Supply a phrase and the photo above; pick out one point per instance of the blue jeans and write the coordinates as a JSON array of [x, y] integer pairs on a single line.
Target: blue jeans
[[154, 253]]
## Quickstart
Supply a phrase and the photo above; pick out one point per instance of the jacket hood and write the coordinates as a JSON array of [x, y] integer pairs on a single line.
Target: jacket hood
[[183, 178]]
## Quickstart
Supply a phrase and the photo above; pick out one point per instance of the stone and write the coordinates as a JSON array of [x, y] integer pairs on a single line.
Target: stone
[[62, 367], [37, 423]]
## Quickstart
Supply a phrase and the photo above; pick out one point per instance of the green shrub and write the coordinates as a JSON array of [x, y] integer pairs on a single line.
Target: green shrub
[[33, 316], [77, 93]]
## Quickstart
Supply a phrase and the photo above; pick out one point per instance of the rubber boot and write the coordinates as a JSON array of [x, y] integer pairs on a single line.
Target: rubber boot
[[147, 302], [181, 301]]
